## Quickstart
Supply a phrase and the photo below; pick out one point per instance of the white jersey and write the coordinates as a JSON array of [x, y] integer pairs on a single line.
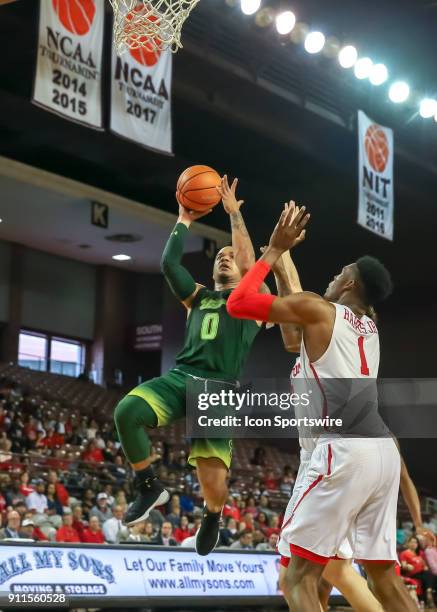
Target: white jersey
[[353, 353], [345, 498]]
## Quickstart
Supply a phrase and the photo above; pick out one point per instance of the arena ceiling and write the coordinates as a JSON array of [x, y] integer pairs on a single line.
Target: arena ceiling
[[280, 120]]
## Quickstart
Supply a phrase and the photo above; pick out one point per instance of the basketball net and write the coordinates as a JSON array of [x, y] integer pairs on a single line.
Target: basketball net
[[155, 25]]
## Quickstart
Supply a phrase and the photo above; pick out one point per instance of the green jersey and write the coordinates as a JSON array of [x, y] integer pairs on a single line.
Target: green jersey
[[216, 345]]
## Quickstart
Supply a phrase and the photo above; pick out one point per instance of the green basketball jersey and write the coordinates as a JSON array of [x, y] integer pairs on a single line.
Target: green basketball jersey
[[216, 345]]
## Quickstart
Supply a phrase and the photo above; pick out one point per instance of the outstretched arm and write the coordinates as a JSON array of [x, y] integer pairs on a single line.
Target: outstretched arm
[[244, 253], [177, 276], [301, 308], [411, 498], [288, 282]]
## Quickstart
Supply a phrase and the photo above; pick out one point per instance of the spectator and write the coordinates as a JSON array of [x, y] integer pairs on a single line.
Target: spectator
[[287, 480], [149, 532], [248, 521], [165, 537], [101, 509], [270, 482], [93, 534], [229, 533], [258, 537], [67, 533], [12, 529], [259, 457], [187, 504], [413, 566], [61, 491], [135, 534], [92, 454], [88, 502], [251, 506], [37, 501], [245, 540], [270, 544], [53, 504], [78, 523], [25, 488], [264, 506], [273, 526], [183, 531], [113, 528], [30, 530], [231, 508], [13, 495], [262, 521]]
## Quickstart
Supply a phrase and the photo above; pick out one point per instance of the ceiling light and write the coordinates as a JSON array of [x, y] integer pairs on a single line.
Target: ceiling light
[[399, 92], [121, 257], [378, 74], [348, 56], [428, 108], [314, 42], [285, 22], [362, 68], [249, 7]]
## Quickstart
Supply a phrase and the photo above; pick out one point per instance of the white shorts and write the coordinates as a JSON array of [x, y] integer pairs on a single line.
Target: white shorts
[[347, 502]]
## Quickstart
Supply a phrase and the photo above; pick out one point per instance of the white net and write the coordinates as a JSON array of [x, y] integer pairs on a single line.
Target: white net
[[153, 25]]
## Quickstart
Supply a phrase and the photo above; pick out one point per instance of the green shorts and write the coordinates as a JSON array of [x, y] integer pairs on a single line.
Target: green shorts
[[166, 395]]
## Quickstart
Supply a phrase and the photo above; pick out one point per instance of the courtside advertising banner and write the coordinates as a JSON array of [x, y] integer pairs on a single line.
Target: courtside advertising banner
[[135, 572], [375, 190], [68, 77], [141, 97]]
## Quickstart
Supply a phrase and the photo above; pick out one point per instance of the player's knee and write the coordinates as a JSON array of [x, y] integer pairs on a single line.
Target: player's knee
[[132, 412]]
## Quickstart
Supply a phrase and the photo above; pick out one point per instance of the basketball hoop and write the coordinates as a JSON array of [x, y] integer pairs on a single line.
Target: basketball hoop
[[155, 25]]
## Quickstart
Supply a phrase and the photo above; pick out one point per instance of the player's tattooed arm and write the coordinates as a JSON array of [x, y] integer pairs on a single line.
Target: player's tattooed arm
[[288, 282], [244, 253]]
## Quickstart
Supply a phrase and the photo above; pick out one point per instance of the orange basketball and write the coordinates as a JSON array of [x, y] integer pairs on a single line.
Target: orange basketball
[[196, 188], [75, 15], [376, 145]]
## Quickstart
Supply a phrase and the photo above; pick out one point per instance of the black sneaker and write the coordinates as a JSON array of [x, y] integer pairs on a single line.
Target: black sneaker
[[151, 493], [209, 532]]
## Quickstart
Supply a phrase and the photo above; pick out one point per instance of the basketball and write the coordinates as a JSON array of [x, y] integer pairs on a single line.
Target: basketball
[[75, 15], [376, 148], [196, 188]]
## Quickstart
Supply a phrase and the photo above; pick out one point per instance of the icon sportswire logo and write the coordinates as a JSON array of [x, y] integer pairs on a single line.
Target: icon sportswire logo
[[76, 16], [377, 149]]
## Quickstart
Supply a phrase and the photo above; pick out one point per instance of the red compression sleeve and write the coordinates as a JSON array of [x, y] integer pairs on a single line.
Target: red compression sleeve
[[245, 302]]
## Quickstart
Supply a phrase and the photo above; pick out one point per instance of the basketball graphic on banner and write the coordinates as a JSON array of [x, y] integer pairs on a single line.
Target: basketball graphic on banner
[[143, 53], [75, 15], [377, 149]]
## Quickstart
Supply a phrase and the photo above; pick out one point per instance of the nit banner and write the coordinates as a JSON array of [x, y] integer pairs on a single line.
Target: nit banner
[[375, 189], [68, 77]]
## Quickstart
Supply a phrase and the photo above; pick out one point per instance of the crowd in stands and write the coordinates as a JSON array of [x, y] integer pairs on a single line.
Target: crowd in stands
[[63, 478]]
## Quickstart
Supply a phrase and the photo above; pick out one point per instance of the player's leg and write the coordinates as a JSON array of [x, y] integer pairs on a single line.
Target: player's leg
[[212, 458], [351, 585], [388, 587], [302, 584], [152, 404]]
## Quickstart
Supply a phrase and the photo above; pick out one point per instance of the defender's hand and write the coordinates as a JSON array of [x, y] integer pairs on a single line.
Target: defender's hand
[[227, 194], [289, 229]]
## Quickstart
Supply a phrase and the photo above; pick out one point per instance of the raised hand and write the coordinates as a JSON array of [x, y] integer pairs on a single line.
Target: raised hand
[[290, 229], [227, 194], [188, 216]]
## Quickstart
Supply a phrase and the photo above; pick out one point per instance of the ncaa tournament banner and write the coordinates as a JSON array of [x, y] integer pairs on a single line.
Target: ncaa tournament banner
[[68, 77], [141, 98], [375, 199]]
